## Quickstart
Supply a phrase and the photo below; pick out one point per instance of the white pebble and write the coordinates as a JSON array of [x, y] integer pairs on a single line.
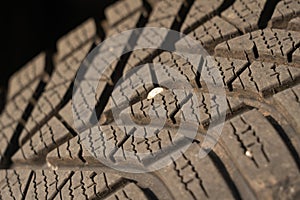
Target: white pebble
[[248, 154], [154, 92]]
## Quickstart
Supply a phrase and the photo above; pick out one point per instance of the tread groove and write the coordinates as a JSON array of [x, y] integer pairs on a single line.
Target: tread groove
[[289, 145], [267, 13], [224, 172], [111, 189], [27, 185]]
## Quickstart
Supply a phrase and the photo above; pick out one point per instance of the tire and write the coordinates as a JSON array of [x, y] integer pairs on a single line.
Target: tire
[[255, 44]]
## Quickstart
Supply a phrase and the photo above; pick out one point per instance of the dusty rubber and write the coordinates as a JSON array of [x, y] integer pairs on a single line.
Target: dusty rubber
[[255, 45]]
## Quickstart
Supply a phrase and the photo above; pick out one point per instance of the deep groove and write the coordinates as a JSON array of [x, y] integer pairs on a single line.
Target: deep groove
[[183, 12], [100, 32], [290, 53], [14, 142], [225, 5], [3, 96], [149, 194], [174, 112], [121, 143], [267, 13], [225, 174], [237, 74], [112, 189], [118, 72], [289, 145], [80, 156], [66, 125], [27, 185], [255, 51]]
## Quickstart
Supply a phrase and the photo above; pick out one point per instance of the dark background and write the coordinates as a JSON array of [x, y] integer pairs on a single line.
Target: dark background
[[32, 26]]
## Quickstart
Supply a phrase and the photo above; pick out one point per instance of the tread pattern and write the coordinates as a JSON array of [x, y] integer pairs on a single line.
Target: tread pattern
[[38, 145], [189, 177], [121, 10], [245, 14], [285, 11], [27, 75], [48, 184], [26, 86], [254, 47], [158, 18], [213, 32], [200, 12], [294, 24], [247, 138], [289, 99], [271, 45], [267, 78]]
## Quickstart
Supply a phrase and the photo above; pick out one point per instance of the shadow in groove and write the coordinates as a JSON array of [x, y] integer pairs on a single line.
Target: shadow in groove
[[34, 26]]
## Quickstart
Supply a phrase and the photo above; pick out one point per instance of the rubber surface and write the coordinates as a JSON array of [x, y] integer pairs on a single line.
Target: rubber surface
[[255, 46]]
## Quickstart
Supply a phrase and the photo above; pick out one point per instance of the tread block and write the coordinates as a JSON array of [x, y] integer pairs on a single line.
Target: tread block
[[284, 11], [50, 136], [200, 12], [160, 18], [126, 24], [253, 143], [190, 177], [111, 145], [296, 55], [66, 113], [269, 45], [66, 184], [289, 100], [32, 71], [213, 32], [121, 10], [227, 67], [294, 24], [71, 152], [245, 14], [266, 78], [168, 106], [13, 183], [76, 39]]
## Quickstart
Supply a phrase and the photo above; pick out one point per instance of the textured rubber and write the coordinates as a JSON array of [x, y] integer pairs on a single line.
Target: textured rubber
[[255, 46]]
